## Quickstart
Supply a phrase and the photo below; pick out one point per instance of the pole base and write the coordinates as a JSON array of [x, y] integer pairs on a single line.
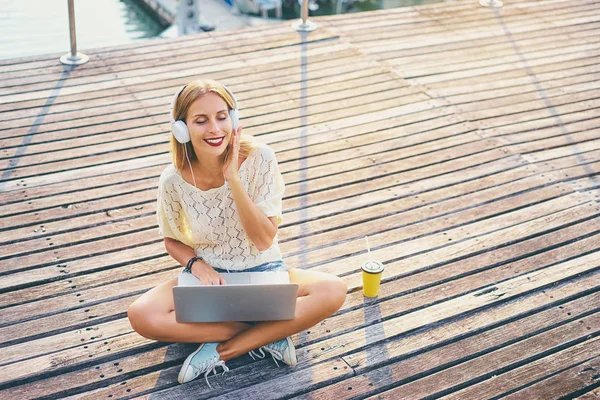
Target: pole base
[[78, 59], [491, 3], [300, 26]]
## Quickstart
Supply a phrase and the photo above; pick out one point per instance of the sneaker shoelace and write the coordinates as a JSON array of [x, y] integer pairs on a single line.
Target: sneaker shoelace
[[275, 351], [210, 366]]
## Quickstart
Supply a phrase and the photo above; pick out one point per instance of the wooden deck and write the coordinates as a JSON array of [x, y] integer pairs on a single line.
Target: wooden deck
[[464, 141]]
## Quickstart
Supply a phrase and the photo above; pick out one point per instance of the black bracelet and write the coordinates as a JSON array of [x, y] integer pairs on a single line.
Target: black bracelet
[[188, 267]]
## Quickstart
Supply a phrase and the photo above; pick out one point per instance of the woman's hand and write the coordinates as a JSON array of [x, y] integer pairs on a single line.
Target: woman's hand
[[231, 166], [207, 275]]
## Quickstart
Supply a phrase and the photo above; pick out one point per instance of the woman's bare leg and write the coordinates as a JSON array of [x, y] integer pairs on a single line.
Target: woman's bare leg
[[153, 316], [319, 296]]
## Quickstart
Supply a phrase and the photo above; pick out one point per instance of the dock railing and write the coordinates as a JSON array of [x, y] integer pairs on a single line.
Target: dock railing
[[73, 58]]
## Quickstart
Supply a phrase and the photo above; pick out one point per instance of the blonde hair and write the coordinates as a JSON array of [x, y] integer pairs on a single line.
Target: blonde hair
[[193, 91]]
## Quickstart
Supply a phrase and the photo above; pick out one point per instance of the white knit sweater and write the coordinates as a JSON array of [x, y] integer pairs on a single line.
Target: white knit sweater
[[207, 220]]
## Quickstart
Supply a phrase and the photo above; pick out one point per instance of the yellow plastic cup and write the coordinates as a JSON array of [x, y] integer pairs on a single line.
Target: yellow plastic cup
[[371, 275]]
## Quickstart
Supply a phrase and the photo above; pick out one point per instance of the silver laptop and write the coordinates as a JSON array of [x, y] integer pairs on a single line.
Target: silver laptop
[[246, 296]]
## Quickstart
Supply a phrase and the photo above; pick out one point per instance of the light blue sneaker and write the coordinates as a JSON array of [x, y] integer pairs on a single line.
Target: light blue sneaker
[[282, 350], [204, 360]]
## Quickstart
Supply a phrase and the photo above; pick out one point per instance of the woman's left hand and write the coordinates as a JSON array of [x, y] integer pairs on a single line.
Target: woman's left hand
[[231, 167]]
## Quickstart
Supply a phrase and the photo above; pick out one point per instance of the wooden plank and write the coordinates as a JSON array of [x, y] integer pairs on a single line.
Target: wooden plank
[[245, 93], [358, 339], [559, 141], [458, 94], [59, 321], [221, 56], [392, 284], [440, 241], [407, 322], [320, 254], [575, 354], [43, 91], [549, 121], [515, 77], [584, 52], [445, 348], [75, 267], [483, 26], [260, 74], [142, 192], [579, 152], [76, 190], [485, 60], [413, 55], [163, 54], [580, 362], [70, 268], [581, 84], [158, 106], [90, 264], [89, 296], [116, 183], [504, 111], [151, 382], [542, 113], [60, 279], [591, 395], [516, 73], [285, 119], [572, 126]]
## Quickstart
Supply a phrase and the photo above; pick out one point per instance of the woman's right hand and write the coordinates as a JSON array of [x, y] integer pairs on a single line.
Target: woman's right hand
[[207, 275]]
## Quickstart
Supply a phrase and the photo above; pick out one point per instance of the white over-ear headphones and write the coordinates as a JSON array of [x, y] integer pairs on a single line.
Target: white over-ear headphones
[[180, 129]]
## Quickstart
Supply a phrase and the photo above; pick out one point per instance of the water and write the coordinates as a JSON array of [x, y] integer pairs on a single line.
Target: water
[[291, 8], [33, 27]]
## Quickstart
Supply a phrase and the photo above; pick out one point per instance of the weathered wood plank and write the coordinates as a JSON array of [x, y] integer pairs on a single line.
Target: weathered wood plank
[[116, 343], [581, 362], [358, 339], [259, 75], [463, 48], [222, 60], [213, 53], [452, 345], [466, 182], [77, 282], [43, 91], [52, 130], [167, 377], [247, 93], [576, 354]]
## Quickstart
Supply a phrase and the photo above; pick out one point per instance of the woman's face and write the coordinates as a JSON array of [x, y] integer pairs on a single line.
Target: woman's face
[[209, 124]]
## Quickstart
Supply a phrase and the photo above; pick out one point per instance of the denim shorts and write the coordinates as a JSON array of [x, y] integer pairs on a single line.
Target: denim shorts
[[278, 265]]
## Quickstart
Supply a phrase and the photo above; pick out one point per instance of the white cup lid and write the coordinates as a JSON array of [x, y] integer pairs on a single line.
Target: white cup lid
[[372, 267]]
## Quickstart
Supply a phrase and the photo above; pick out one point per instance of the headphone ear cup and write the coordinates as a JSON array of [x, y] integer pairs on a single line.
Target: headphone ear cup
[[180, 131], [234, 114]]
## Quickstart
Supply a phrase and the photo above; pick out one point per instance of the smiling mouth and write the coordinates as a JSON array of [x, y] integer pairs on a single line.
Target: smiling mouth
[[215, 142]]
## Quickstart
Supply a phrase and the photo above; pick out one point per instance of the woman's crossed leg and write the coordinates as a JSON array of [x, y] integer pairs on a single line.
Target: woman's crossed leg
[[319, 296]]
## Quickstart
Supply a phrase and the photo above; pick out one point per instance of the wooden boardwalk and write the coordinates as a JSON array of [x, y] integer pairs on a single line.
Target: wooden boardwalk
[[464, 141]]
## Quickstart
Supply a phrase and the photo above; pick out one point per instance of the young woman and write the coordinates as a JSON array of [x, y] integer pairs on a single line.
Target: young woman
[[219, 208]]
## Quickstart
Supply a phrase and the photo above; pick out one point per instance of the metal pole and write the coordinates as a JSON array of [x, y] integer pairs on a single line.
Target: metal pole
[[73, 58], [304, 25], [491, 3]]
